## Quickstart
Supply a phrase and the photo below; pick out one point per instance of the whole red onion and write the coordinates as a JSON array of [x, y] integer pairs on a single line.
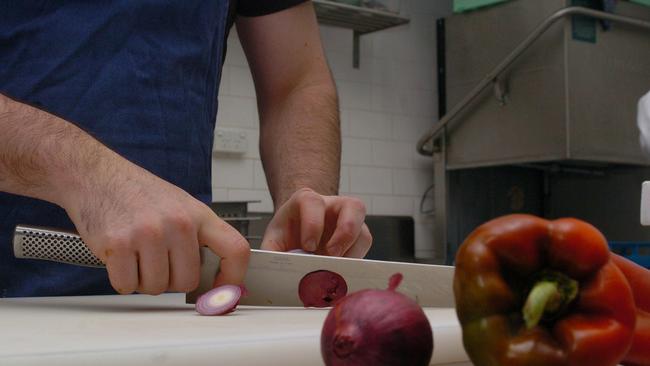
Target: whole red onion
[[377, 327], [321, 288]]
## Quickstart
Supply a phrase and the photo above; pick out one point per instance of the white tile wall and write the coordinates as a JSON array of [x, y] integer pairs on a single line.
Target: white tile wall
[[231, 172], [241, 81], [345, 122], [356, 151], [385, 105], [370, 125], [394, 154], [371, 180], [219, 194], [407, 181], [344, 186], [237, 111], [265, 203], [367, 200], [259, 179], [392, 205], [353, 94], [253, 137], [408, 127]]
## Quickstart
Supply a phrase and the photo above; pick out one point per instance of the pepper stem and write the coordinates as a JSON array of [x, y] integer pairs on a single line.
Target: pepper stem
[[549, 296]]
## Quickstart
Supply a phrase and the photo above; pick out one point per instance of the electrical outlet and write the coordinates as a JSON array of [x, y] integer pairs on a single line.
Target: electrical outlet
[[230, 140]]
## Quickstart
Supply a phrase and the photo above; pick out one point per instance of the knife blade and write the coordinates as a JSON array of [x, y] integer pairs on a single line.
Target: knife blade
[[272, 278]]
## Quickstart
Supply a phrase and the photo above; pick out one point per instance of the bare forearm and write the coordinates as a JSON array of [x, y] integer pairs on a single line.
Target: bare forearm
[[299, 133], [44, 156], [145, 230], [300, 140]]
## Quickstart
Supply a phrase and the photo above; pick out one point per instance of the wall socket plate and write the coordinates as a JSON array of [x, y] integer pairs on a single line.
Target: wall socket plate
[[230, 140]]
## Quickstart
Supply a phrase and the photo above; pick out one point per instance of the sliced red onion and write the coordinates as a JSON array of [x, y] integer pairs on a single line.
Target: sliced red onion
[[321, 289], [244, 290], [220, 300]]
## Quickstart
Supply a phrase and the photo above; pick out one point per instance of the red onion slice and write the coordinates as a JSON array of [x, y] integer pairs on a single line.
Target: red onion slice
[[321, 288], [218, 301]]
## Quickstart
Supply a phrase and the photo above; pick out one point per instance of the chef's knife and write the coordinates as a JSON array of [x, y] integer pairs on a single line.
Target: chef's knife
[[272, 278]]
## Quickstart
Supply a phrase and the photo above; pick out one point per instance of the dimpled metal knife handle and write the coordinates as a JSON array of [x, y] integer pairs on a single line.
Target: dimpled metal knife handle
[[53, 245]]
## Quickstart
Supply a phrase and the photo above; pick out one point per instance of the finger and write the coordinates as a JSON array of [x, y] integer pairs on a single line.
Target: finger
[[184, 263], [281, 233], [273, 240], [122, 267], [299, 223], [311, 213], [351, 216], [153, 263], [362, 245], [229, 245]]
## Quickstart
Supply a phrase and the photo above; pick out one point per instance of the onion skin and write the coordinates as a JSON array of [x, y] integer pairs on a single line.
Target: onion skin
[[377, 327], [321, 289]]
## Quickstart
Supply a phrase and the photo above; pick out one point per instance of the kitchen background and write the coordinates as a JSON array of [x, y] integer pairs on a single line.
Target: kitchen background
[[562, 141]]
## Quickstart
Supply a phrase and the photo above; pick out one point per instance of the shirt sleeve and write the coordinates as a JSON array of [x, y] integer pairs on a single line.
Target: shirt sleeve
[[254, 8]]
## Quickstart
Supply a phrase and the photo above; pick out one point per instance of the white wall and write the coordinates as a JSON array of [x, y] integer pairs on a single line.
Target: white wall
[[385, 105]]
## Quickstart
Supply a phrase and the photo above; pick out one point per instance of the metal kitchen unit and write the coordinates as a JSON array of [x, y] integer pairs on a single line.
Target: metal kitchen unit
[[542, 85]]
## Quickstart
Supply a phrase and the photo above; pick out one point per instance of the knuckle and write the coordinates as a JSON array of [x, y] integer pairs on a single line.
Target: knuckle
[[357, 204], [303, 191], [313, 202], [182, 223], [118, 243], [307, 194], [149, 230], [241, 248]]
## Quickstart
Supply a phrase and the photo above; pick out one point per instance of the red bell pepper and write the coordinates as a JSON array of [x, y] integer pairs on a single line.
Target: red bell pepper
[[639, 279], [535, 292]]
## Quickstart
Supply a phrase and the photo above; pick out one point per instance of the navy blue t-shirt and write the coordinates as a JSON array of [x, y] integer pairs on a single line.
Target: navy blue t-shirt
[[140, 76]]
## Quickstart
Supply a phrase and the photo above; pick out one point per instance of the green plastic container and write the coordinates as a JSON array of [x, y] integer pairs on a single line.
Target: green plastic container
[[466, 5], [642, 2]]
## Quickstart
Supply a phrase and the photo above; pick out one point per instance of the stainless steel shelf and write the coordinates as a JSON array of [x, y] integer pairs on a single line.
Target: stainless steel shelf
[[361, 20]]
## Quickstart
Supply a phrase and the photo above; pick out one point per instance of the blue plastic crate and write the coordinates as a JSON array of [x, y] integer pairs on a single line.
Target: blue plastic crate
[[638, 252]]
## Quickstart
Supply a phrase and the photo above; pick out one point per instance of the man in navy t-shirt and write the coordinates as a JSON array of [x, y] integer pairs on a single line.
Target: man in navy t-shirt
[[107, 113]]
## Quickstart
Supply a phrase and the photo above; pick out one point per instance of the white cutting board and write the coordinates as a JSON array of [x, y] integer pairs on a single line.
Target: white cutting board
[[163, 330]]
